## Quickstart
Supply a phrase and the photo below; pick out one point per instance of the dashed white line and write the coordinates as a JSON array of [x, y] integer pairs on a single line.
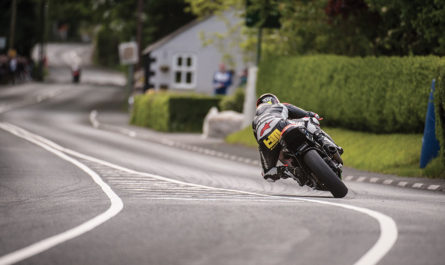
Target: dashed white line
[[349, 178], [433, 187], [417, 185], [374, 180], [402, 183], [361, 179], [388, 181], [388, 228]]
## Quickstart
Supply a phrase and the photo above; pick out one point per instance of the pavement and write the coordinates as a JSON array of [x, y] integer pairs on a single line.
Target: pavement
[[187, 200], [119, 122]]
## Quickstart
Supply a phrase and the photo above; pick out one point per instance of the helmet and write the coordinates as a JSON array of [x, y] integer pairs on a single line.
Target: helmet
[[267, 98]]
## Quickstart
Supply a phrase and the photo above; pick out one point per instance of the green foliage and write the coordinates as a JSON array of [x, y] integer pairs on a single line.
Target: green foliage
[[435, 168], [439, 103], [382, 95], [344, 27], [243, 137], [106, 47], [27, 26], [397, 154], [172, 112], [233, 102]]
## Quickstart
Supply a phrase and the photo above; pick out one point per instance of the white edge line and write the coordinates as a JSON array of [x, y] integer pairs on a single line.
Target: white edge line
[[388, 228], [45, 244]]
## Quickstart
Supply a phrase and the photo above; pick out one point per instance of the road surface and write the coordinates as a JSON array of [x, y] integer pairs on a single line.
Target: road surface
[[71, 193]]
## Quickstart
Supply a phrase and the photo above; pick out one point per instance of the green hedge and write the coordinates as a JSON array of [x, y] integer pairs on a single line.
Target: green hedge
[[171, 112], [381, 95], [235, 101], [439, 103]]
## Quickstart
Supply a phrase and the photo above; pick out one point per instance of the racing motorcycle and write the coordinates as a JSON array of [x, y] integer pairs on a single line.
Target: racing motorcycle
[[312, 156]]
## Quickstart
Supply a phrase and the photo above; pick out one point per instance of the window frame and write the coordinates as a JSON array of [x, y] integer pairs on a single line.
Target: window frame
[[184, 69]]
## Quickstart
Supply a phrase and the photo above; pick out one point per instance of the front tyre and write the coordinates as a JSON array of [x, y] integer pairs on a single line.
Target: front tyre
[[325, 174]]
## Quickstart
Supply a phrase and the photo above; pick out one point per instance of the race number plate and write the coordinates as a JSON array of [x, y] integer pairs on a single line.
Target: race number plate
[[273, 139]]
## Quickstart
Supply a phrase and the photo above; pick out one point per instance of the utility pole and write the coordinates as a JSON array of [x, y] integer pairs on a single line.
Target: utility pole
[[139, 31], [41, 56], [12, 28]]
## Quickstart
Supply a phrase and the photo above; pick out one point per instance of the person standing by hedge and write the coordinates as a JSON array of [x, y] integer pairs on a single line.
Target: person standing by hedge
[[222, 80]]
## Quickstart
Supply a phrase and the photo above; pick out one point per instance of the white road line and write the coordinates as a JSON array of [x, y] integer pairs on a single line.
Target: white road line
[[361, 179], [93, 120], [388, 228], [433, 187], [374, 180], [388, 181], [45, 244], [417, 185], [348, 178], [402, 183]]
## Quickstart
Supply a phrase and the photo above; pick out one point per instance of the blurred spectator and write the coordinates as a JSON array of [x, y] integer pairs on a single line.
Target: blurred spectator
[[13, 69], [222, 79], [243, 77]]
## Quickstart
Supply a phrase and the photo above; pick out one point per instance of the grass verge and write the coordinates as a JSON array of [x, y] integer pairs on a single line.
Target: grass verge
[[397, 154]]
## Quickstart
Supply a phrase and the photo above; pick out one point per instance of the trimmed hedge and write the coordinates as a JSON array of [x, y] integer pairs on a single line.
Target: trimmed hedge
[[235, 101], [381, 95], [170, 112], [439, 104]]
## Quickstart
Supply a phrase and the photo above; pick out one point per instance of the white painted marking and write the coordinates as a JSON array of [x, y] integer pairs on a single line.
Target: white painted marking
[[417, 185], [361, 179], [93, 120], [388, 181], [349, 178], [388, 228], [45, 244], [374, 180], [433, 187], [402, 183]]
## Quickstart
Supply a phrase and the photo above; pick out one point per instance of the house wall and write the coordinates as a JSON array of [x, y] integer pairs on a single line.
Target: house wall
[[207, 58]]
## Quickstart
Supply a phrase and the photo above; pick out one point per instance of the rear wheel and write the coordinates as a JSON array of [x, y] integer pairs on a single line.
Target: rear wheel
[[325, 174]]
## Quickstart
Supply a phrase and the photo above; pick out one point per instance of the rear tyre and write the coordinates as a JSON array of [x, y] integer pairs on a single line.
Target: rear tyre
[[325, 174]]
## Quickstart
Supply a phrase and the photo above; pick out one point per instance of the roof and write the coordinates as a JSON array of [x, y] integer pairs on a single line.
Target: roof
[[173, 34]]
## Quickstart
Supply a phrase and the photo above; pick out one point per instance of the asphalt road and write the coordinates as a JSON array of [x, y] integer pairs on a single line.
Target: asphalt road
[[169, 205]]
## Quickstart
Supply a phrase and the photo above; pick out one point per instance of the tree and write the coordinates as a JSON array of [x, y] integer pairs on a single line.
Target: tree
[[26, 28], [346, 27]]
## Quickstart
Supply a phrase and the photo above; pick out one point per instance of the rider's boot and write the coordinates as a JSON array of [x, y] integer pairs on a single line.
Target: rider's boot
[[276, 173]]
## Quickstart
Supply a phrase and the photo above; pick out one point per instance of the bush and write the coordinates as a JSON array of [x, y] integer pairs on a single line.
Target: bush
[[106, 51], [171, 112], [381, 95], [234, 102], [439, 103]]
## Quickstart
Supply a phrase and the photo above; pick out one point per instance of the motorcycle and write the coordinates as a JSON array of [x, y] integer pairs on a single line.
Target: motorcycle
[[312, 156], [75, 72]]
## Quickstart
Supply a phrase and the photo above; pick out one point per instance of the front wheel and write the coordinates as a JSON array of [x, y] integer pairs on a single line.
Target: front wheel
[[325, 174]]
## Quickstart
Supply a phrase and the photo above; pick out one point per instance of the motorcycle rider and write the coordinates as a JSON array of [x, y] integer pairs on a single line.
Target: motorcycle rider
[[269, 123]]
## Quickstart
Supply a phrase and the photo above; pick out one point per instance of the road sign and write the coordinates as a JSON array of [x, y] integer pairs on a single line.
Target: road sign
[[128, 53], [2, 42]]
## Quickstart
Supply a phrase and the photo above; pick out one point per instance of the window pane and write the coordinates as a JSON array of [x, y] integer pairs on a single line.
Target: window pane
[[189, 61], [177, 77], [179, 61], [188, 77]]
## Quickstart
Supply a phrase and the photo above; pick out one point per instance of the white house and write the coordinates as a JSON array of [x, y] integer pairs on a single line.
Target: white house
[[181, 62]]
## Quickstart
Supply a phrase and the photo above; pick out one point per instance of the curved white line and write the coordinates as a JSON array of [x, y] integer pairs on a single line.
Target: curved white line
[[388, 228], [45, 244]]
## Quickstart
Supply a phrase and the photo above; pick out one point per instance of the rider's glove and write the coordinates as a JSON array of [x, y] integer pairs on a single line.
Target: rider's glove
[[315, 115]]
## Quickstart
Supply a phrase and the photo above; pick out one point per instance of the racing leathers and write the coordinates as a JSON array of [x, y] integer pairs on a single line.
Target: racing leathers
[[268, 123]]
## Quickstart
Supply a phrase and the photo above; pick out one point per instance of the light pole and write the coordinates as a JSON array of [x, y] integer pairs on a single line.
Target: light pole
[[12, 28]]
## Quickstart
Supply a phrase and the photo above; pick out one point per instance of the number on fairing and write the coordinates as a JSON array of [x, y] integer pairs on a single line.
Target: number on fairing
[[273, 139]]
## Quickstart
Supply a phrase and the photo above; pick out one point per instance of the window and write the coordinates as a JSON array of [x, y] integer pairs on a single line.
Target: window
[[184, 71]]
